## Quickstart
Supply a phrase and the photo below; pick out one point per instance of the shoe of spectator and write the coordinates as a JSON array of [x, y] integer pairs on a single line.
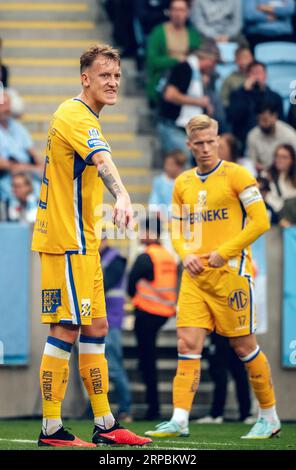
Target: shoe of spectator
[[209, 420], [125, 418]]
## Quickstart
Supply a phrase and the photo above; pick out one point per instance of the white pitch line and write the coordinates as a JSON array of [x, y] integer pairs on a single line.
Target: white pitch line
[[21, 441], [196, 443]]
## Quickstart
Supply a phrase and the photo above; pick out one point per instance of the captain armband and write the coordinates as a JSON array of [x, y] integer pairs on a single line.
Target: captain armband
[[250, 195]]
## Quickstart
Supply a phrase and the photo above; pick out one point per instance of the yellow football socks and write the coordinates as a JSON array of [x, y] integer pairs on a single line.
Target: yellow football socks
[[260, 378], [186, 381], [54, 373], [93, 369]]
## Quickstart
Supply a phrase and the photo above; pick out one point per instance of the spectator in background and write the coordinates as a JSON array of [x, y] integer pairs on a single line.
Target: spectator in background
[[3, 69], [113, 265], [16, 150], [152, 285], [246, 101], [268, 20], [220, 20], [22, 205], [230, 151], [121, 15], [168, 44], [267, 136], [162, 186], [147, 15], [184, 97], [282, 175], [243, 58], [264, 187]]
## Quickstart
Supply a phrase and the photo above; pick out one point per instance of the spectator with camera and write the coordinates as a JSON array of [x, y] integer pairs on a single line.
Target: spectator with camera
[[246, 101]]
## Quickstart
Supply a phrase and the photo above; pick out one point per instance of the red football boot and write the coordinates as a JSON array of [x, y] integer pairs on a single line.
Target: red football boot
[[118, 436], [62, 438]]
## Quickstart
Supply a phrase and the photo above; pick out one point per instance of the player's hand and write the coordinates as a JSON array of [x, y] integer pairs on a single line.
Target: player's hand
[[123, 213], [214, 259], [193, 264]]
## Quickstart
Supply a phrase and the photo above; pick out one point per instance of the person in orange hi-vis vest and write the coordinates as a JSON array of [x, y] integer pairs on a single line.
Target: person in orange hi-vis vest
[[152, 286]]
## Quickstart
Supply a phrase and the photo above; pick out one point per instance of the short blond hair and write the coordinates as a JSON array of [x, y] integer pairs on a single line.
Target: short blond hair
[[96, 50], [199, 123]]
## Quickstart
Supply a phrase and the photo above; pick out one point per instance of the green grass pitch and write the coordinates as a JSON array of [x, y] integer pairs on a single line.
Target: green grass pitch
[[22, 434]]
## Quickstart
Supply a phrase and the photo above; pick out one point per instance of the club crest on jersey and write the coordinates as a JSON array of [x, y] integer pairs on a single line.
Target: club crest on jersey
[[202, 199], [238, 300], [94, 133], [85, 307], [51, 300]]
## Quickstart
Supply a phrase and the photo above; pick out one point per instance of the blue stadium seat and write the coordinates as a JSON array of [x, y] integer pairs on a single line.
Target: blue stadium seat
[[278, 70], [281, 85], [276, 52], [227, 51]]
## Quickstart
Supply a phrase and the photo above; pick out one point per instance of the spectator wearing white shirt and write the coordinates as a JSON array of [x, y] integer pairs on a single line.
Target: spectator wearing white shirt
[[270, 132]]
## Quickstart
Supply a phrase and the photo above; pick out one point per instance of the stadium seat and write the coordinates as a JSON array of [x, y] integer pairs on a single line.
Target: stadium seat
[[227, 51], [276, 52], [281, 84], [281, 70]]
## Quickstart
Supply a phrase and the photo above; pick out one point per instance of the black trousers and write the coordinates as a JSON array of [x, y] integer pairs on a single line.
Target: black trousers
[[223, 360], [146, 330]]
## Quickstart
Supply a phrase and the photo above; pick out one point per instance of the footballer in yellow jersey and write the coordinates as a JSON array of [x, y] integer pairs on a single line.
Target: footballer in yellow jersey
[[71, 189], [216, 205], [218, 212], [78, 163]]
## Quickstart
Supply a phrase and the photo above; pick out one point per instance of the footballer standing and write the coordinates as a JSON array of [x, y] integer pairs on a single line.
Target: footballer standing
[[225, 212], [78, 164]]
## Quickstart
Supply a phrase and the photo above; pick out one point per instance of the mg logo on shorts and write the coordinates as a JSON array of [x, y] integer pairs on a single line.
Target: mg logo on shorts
[[85, 307], [238, 300]]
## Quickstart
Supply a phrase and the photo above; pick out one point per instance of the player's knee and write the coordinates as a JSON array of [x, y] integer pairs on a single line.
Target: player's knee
[[242, 350], [187, 346], [65, 332], [99, 328]]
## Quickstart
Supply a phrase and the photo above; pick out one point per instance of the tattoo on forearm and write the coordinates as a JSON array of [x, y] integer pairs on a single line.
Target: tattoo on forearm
[[109, 181]]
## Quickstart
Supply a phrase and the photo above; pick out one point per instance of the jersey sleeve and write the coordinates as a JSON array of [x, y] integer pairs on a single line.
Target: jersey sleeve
[[242, 179], [245, 186], [84, 136]]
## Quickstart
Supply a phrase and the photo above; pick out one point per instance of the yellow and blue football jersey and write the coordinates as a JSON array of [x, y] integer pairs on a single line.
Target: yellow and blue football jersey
[[214, 206], [71, 189]]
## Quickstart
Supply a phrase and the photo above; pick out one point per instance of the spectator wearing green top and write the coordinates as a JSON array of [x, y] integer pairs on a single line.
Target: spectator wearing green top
[[168, 44], [243, 58]]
